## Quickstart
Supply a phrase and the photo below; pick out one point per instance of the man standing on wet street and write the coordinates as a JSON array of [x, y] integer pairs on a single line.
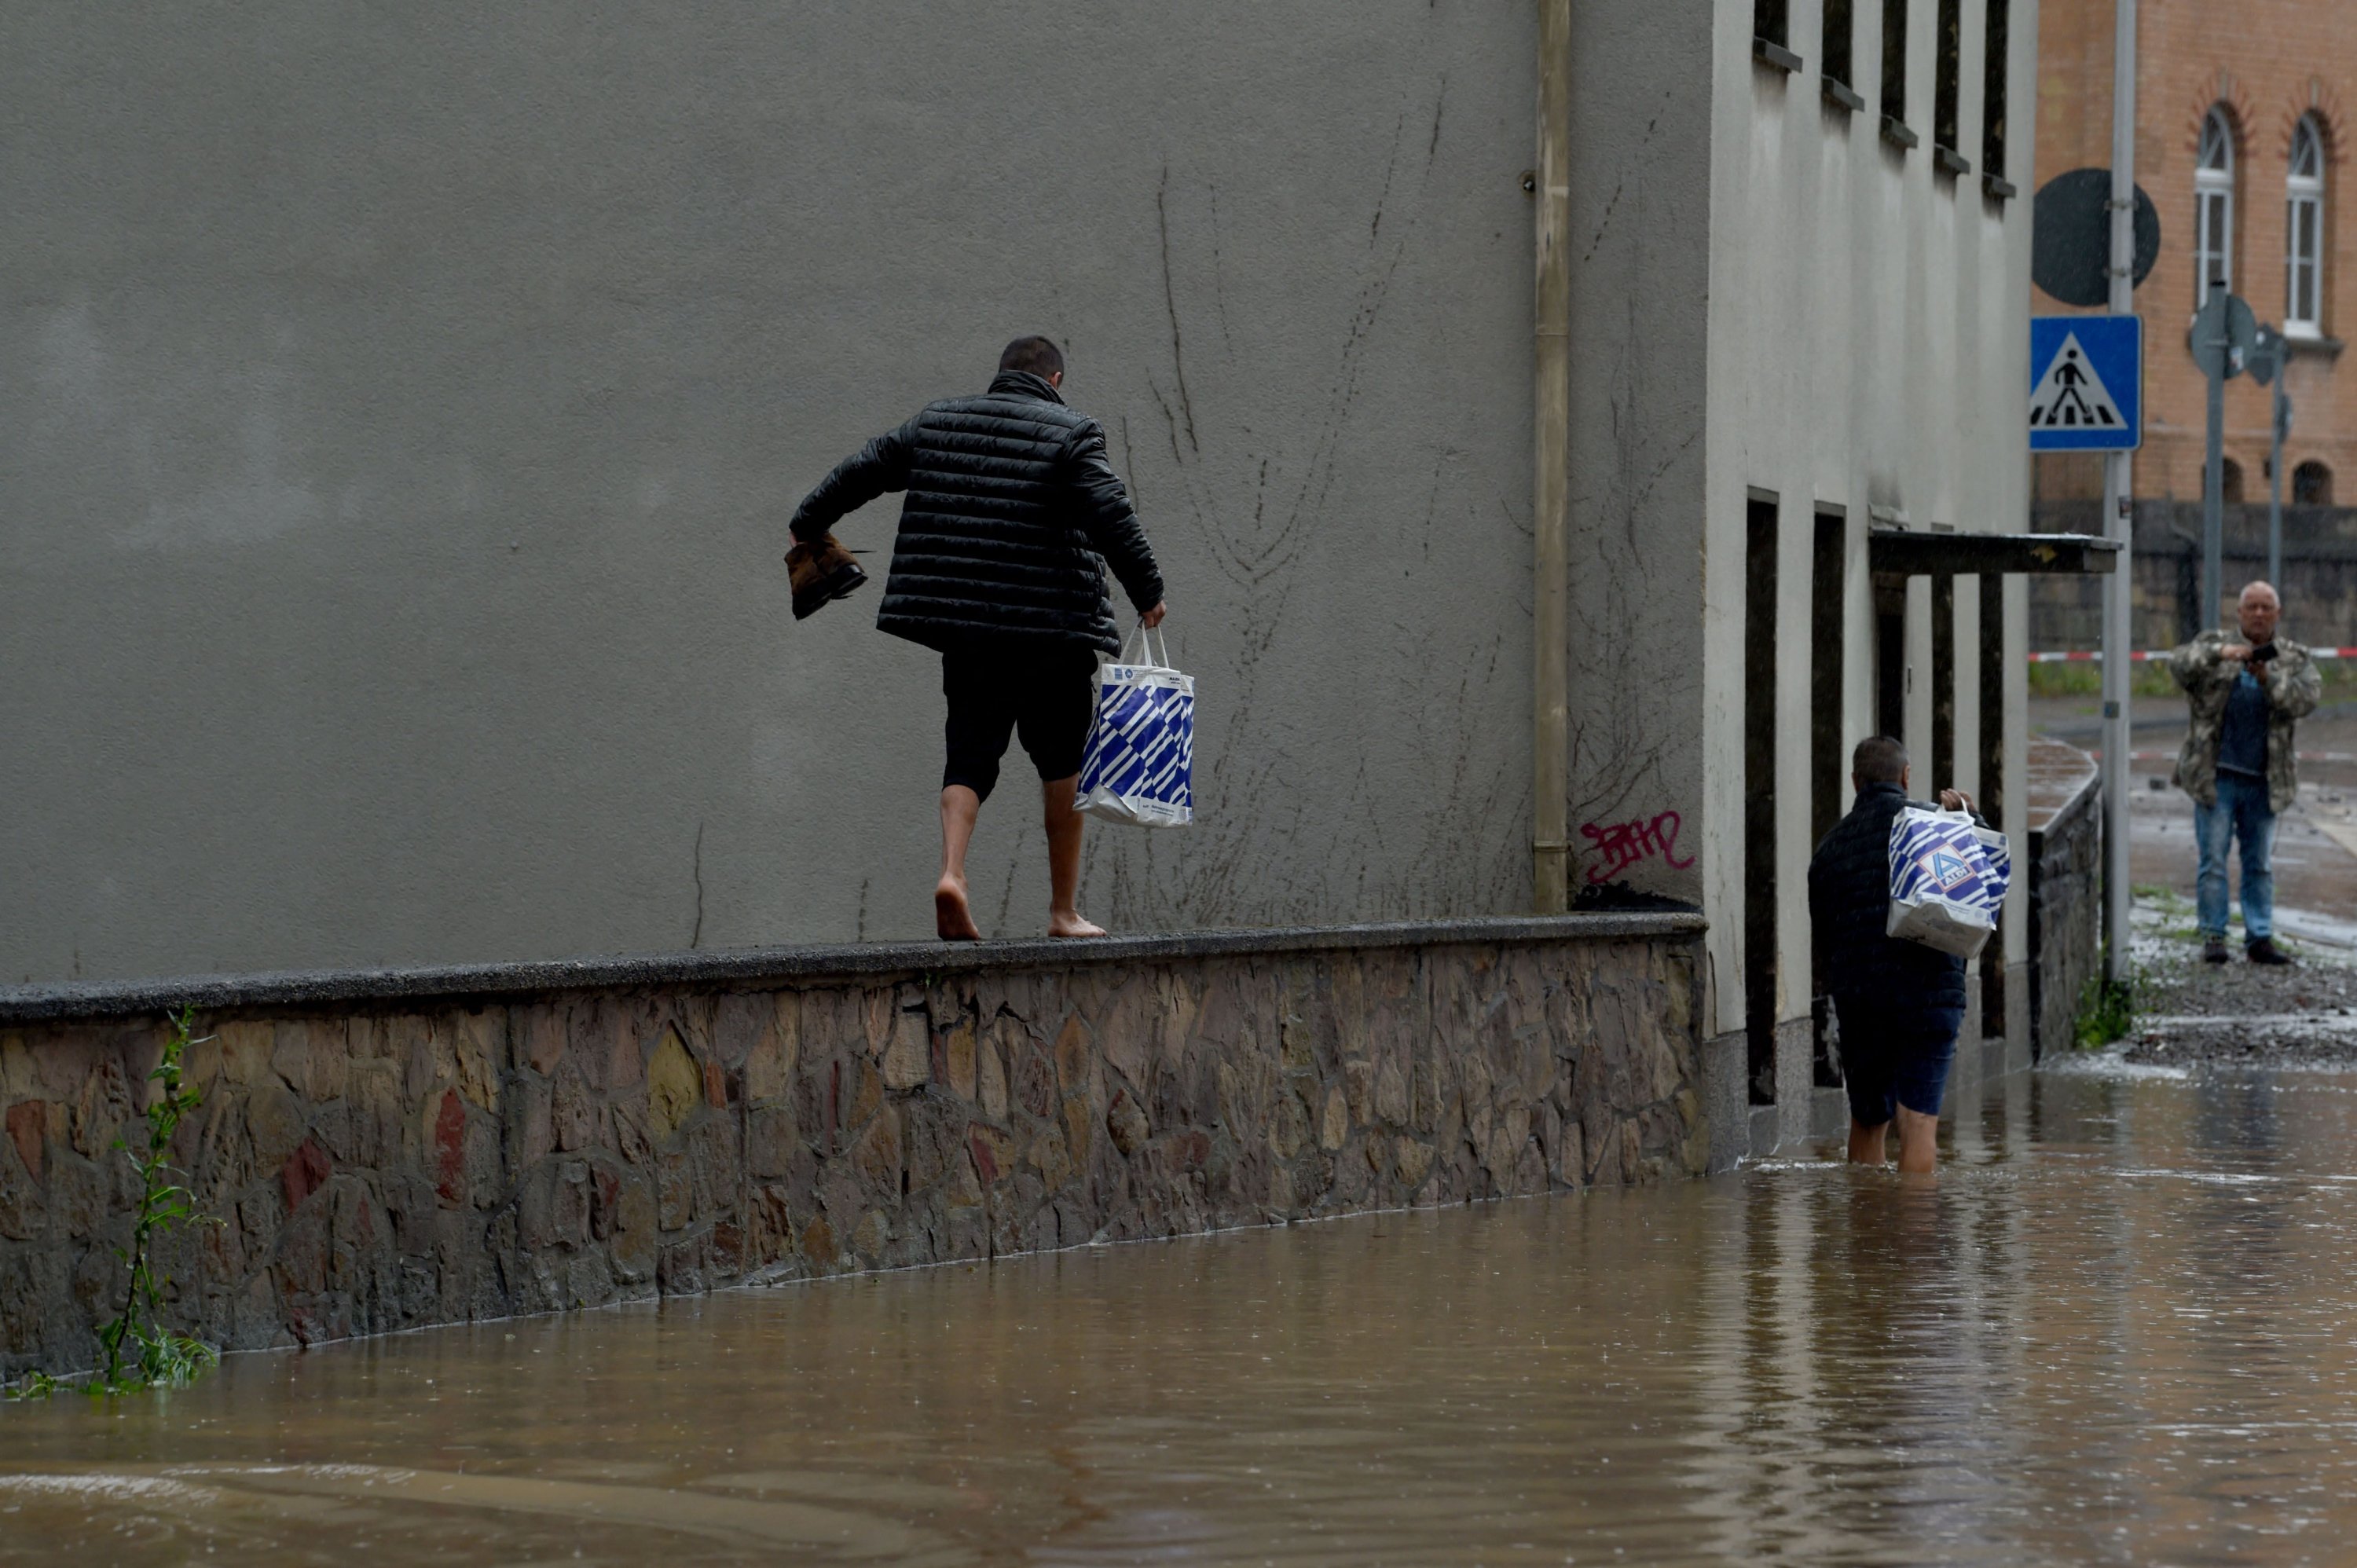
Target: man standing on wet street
[[1899, 1004], [2240, 762], [1012, 503]]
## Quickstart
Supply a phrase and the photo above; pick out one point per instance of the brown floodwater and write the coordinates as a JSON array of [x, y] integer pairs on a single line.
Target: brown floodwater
[[2121, 1328]]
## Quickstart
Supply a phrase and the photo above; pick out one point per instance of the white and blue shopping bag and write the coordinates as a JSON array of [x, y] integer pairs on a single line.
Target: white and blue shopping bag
[[1948, 878], [1140, 763]]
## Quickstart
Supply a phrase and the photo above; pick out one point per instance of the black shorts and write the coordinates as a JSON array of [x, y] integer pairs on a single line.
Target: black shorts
[[1046, 693], [1896, 1056]]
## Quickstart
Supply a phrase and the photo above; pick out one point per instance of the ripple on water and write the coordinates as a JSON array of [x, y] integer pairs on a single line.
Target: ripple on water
[[2118, 1328]]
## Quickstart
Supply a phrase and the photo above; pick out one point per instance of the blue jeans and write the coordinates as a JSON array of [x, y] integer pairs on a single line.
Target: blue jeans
[[2241, 813]]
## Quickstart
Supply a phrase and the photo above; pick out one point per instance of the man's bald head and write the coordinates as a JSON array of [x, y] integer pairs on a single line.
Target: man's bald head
[[2258, 610]]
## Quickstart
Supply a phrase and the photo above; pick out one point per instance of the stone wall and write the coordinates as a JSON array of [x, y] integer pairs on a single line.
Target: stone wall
[[2319, 587], [2066, 898], [394, 1150]]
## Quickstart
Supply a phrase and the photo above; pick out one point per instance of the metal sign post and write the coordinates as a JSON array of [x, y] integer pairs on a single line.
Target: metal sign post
[[2224, 335], [2117, 520], [2266, 364]]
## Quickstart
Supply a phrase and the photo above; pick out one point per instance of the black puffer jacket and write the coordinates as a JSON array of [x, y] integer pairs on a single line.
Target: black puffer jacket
[[1849, 903], [1011, 503]]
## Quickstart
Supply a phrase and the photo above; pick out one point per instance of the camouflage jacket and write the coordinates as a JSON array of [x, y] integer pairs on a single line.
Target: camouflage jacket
[[2294, 685]]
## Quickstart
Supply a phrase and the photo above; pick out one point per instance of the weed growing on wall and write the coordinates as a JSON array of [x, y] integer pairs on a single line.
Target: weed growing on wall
[[138, 1351], [2106, 1012]]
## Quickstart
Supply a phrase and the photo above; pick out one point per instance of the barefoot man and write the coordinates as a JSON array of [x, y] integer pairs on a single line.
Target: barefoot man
[[1011, 505]]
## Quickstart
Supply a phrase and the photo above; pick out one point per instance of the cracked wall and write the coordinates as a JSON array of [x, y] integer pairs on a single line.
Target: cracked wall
[[412, 407], [1640, 269]]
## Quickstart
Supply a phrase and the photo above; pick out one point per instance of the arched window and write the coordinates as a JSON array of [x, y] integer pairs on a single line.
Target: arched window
[[2213, 206], [2311, 485], [2304, 232], [2229, 483]]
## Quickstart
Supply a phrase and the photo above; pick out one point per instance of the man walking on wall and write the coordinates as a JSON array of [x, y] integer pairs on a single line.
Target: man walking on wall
[[1900, 1004], [1011, 504], [2247, 694]]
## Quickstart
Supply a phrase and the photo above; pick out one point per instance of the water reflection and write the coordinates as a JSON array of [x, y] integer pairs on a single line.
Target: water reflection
[[2118, 1328]]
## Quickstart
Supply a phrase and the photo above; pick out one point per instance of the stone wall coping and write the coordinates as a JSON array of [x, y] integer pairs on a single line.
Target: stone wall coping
[[792, 965], [2061, 778]]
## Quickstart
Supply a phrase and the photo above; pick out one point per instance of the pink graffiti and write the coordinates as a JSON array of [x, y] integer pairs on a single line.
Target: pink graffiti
[[1623, 844]]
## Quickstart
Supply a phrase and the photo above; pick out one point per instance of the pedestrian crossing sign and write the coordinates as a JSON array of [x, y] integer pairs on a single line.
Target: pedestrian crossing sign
[[2086, 386]]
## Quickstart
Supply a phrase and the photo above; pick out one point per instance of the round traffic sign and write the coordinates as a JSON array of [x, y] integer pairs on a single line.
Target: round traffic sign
[[2070, 236], [2225, 332]]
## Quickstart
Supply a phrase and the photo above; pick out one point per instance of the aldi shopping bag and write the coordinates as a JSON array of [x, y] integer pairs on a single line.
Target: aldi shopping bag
[[1140, 763], [1948, 877]]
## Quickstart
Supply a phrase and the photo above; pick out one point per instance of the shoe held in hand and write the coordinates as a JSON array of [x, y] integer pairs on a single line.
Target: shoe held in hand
[[821, 572]]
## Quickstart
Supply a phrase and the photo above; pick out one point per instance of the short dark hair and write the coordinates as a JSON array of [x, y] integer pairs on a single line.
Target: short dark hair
[[1878, 759], [1035, 354]]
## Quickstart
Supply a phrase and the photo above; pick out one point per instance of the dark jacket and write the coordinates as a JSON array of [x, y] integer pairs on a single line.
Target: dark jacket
[[1011, 505], [1849, 903]]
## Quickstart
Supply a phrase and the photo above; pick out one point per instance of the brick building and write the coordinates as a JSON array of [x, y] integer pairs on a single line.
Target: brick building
[[2243, 141]]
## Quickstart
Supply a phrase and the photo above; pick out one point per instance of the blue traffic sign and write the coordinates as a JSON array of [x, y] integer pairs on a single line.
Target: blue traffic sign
[[2086, 383]]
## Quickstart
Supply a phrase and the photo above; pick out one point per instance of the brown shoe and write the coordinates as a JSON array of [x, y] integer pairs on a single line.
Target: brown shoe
[[821, 574], [2265, 950], [2213, 951]]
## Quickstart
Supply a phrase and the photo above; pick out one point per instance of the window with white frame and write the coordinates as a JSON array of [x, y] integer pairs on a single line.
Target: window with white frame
[[2304, 232], [2213, 206]]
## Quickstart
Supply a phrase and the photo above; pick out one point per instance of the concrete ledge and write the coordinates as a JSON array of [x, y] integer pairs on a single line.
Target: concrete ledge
[[796, 965]]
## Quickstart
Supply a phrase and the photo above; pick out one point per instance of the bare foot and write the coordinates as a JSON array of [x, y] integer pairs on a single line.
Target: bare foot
[[951, 918], [1073, 926]]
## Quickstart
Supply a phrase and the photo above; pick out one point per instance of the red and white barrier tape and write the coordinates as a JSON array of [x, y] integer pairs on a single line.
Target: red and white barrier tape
[[2304, 756], [2143, 655]]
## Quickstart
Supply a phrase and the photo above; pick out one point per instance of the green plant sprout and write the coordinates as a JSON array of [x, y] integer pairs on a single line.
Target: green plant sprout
[[2106, 1012], [139, 1352]]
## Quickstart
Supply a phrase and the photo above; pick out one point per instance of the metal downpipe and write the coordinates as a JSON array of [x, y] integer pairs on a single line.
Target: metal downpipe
[[1551, 485]]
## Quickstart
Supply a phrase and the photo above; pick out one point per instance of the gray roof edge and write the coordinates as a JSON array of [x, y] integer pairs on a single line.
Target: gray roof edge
[[787, 965]]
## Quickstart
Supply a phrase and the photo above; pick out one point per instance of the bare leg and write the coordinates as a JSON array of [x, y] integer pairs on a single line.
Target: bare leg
[[1064, 825], [1865, 1143], [951, 918], [1919, 1142]]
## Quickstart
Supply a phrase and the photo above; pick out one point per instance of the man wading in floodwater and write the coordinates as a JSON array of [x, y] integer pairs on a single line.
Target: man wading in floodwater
[[1011, 501], [2240, 762], [1900, 1004]]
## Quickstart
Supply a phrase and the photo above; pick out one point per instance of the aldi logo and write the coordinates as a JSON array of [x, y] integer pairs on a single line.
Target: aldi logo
[[1947, 869]]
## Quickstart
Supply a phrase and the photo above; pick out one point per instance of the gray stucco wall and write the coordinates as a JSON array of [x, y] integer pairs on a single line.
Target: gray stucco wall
[[1640, 239], [402, 406]]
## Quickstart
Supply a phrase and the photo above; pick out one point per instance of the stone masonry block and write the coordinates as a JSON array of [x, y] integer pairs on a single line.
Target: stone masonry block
[[991, 1058], [540, 1035], [674, 1087], [909, 1050], [776, 1050], [1126, 1123], [312, 1056], [1075, 1055]]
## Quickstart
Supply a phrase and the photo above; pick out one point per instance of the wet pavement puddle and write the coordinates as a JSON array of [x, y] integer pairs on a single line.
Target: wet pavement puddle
[[2121, 1328]]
